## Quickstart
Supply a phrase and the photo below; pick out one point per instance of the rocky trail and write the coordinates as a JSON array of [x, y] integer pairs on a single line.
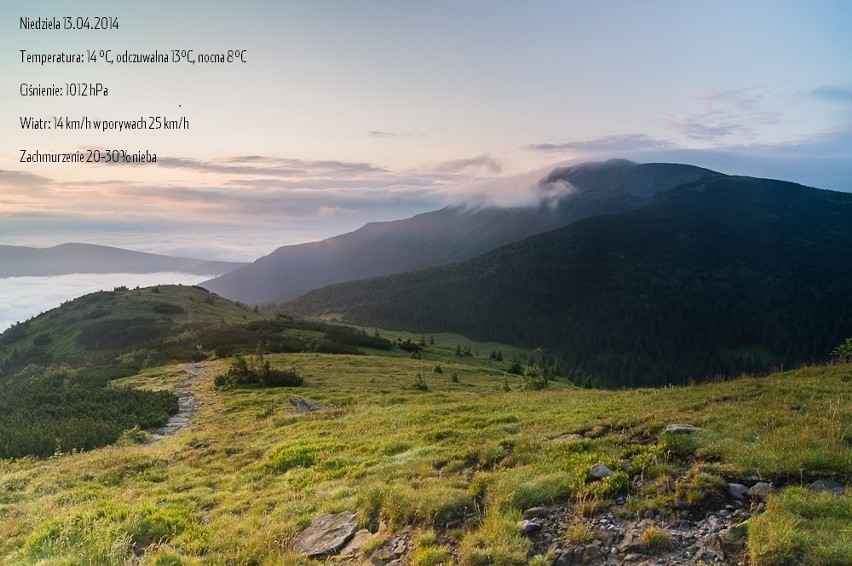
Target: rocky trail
[[188, 406]]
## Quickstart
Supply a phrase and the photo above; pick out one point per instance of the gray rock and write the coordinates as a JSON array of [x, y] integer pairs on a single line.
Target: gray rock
[[400, 547], [606, 537], [569, 558], [304, 405], [828, 485], [352, 547], [737, 490], [761, 490], [733, 540], [327, 534], [528, 527], [566, 438], [681, 429], [633, 545], [535, 513], [599, 471], [593, 555]]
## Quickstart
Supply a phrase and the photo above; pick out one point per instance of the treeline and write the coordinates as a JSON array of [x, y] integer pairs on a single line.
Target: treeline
[[65, 410], [732, 275]]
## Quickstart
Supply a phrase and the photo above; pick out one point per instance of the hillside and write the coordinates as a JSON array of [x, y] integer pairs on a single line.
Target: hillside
[[450, 234], [715, 277], [17, 261], [57, 370], [444, 475]]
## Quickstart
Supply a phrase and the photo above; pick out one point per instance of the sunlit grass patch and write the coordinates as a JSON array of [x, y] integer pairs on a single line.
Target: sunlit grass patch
[[802, 527]]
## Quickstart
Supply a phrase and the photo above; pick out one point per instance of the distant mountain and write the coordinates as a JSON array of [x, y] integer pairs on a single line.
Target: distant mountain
[[715, 277], [451, 234], [17, 261]]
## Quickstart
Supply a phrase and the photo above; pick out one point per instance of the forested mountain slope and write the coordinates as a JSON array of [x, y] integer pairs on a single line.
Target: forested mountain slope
[[451, 234], [717, 276]]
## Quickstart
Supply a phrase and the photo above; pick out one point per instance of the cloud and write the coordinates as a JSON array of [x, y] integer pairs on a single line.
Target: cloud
[[619, 143], [269, 166], [22, 179], [522, 190], [833, 93], [392, 134], [478, 164], [724, 115]]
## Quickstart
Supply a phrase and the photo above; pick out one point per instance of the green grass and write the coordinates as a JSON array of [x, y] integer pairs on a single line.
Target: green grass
[[247, 475], [800, 527]]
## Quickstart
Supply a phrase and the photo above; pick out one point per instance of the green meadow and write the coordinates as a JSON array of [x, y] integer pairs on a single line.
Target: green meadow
[[430, 442]]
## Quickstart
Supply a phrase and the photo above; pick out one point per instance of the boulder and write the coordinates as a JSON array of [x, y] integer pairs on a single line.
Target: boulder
[[327, 534], [599, 472], [304, 405], [761, 491], [681, 429], [528, 527], [828, 485], [351, 548], [737, 490]]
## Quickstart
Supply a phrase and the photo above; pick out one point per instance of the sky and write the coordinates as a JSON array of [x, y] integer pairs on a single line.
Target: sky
[[350, 112]]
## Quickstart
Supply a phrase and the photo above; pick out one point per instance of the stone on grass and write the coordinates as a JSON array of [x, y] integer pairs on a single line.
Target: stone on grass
[[828, 485], [761, 491], [737, 490], [599, 472], [305, 405], [681, 429], [354, 545], [566, 438], [327, 534], [528, 527]]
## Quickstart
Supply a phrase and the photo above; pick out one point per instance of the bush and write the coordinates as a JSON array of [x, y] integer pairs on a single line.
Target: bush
[[420, 381], [843, 353], [657, 538], [257, 371], [534, 379]]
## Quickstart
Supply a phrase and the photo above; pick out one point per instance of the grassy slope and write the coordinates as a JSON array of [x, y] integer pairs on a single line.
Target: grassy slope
[[246, 476], [121, 308]]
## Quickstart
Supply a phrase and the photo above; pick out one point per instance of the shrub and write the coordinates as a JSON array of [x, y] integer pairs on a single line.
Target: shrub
[[578, 534], [257, 371], [168, 308], [420, 381], [657, 538], [534, 379], [496, 543], [843, 353]]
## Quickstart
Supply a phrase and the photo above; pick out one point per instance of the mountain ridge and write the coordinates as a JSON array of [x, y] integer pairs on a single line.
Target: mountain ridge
[[452, 233], [68, 258]]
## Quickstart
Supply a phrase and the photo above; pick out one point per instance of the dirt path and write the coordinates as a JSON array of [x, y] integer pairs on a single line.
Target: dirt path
[[187, 406]]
